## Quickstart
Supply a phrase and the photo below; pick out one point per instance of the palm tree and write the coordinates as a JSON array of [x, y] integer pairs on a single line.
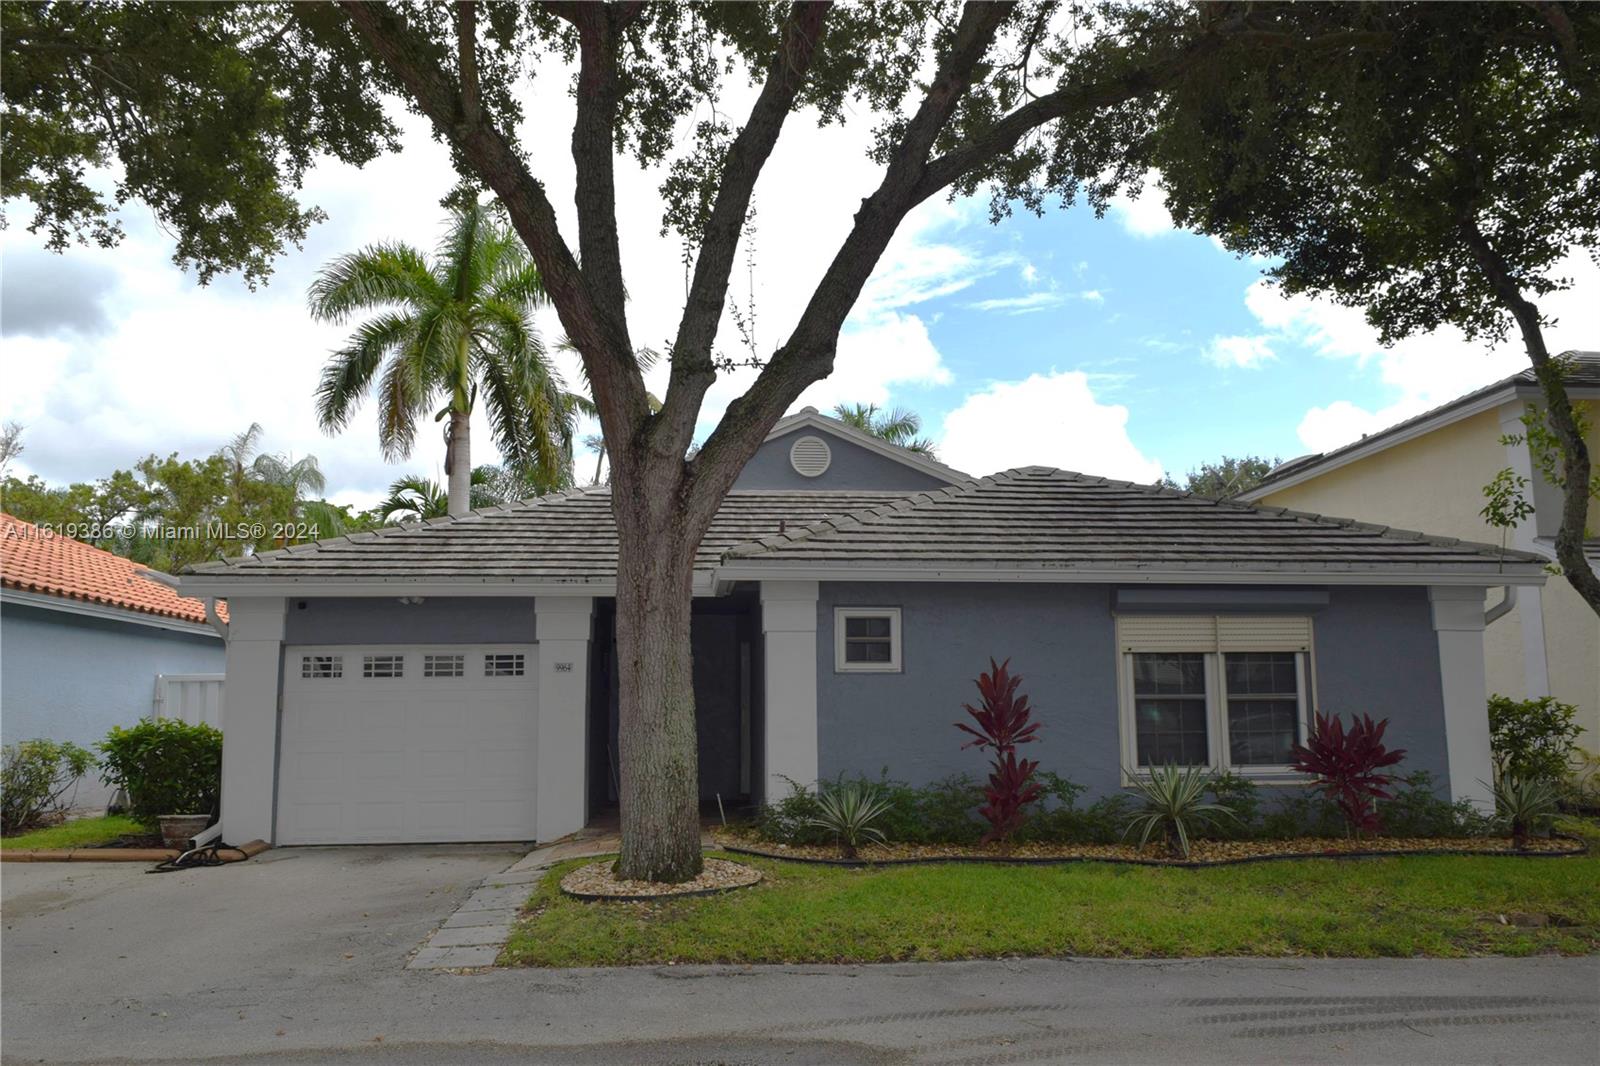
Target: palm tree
[[898, 426], [413, 498], [457, 325]]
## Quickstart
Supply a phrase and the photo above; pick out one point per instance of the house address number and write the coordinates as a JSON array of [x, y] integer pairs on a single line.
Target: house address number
[[563, 668]]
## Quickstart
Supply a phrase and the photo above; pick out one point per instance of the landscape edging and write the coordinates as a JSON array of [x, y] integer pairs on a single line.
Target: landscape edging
[[1038, 860]]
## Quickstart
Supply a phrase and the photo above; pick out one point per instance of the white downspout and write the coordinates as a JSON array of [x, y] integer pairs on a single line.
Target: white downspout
[[1508, 601]]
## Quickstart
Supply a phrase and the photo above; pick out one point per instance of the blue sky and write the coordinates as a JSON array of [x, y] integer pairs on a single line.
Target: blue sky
[[1116, 346]]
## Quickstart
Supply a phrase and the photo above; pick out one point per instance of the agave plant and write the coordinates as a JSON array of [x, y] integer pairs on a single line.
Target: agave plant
[[848, 812], [1526, 803], [1174, 800]]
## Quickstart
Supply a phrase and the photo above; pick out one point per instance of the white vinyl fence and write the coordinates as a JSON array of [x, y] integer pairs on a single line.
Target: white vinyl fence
[[189, 698]]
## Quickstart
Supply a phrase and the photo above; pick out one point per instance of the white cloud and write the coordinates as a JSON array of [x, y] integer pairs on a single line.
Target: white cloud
[[1421, 372], [1246, 353], [1052, 419], [1144, 215], [1020, 305]]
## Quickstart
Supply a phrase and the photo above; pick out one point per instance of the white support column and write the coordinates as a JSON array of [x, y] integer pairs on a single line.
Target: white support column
[[563, 624], [250, 741], [789, 622], [1458, 620]]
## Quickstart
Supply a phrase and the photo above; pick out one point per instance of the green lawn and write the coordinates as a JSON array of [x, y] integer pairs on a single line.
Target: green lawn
[[1436, 906], [82, 833]]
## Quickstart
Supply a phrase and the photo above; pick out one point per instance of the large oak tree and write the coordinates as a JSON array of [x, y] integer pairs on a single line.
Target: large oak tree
[[214, 112]]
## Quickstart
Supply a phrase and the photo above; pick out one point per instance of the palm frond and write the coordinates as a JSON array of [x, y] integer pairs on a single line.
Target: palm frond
[[349, 373], [378, 275]]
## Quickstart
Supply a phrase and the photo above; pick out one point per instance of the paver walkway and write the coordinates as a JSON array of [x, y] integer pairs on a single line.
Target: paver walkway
[[474, 934]]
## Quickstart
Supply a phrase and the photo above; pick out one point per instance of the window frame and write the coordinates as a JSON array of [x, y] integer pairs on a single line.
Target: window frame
[[841, 615], [1216, 688]]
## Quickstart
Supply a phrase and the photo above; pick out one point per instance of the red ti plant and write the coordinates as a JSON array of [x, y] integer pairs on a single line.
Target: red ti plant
[[1346, 763], [1002, 724]]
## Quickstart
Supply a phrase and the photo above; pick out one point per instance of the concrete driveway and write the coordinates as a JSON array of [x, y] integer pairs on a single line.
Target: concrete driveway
[[298, 956]]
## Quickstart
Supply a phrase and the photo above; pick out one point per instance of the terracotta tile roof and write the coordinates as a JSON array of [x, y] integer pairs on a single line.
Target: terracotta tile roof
[[38, 560]]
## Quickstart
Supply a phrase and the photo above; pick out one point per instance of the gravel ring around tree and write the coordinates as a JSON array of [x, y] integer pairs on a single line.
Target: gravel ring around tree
[[596, 882]]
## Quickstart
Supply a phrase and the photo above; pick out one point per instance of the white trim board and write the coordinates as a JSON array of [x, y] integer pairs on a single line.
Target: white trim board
[[1385, 439], [89, 609]]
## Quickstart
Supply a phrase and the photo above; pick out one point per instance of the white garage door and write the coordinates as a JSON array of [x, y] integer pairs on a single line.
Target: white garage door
[[407, 743]]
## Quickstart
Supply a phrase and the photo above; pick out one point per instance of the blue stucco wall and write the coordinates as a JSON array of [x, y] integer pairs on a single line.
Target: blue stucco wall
[[852, 467], [385, 620], [68, 677], [1375, 650]]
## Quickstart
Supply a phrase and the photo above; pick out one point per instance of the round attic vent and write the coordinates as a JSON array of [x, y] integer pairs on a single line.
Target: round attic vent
[[810, 456]]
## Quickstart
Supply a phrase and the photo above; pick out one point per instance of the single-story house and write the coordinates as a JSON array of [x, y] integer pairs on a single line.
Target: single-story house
[[455, 680], [87, 642], [1428, 472]]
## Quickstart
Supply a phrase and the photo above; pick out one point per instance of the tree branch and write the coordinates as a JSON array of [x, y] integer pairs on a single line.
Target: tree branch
[[692, 368], [1575, 459], [467, 59], [808, 354], [417, 63], [594, 157]]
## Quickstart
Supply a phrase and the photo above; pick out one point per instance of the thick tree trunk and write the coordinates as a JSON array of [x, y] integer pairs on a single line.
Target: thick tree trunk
[[458, 463], [660, 774]]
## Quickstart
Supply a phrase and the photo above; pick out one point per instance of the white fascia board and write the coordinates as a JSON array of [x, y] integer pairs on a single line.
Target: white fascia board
[[90, 609], [808, 572], [1383, 440]]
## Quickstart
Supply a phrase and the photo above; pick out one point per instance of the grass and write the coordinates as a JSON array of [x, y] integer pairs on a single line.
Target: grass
[[1439, 906], [82, 833]]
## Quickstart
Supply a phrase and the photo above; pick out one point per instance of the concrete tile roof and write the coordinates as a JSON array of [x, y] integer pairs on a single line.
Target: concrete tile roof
[[43, 561], [563, 537], [1040, 518], [1033, 518]]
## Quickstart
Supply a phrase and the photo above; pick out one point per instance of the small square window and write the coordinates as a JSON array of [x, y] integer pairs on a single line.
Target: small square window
[[867, 639], [321, 667], [503, 664], [444, 666], [383, 666]]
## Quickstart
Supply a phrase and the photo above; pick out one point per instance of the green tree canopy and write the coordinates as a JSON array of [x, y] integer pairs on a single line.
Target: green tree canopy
[[1225, 478], [1438, 177]]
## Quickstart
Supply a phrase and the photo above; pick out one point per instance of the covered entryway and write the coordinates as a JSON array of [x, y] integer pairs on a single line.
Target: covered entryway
[[408, 743]]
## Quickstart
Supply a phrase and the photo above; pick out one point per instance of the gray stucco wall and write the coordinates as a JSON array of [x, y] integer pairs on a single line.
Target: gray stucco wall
[[1375, 652], [385, 620], [68, 677], [852, 467]]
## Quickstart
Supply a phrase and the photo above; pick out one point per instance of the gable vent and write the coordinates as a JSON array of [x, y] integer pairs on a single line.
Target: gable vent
[[810, 456]]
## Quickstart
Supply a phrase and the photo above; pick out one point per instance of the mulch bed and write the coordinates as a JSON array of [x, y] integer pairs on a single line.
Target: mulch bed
[[596, 882], [1202, 852]]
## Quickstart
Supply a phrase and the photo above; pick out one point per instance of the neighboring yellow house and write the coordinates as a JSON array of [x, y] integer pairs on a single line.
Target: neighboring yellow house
[[1428, 474]]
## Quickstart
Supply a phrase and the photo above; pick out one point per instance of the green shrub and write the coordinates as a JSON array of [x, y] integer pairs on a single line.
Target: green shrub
[[1417, 810], [36, 777], [940, 813], [1532, 738], [1241, 798], [1059, 820], [165, 766], [1302, 813]]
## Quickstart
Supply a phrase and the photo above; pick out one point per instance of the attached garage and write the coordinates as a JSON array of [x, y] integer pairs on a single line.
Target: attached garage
[[407, 743]]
